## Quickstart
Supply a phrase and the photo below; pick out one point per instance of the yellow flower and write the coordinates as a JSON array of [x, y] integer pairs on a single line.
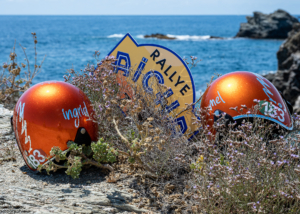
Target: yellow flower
[[201, 158], [200, 162]]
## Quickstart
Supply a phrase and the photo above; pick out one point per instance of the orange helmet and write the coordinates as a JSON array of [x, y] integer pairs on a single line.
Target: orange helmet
[[51, 114], [231, 92]]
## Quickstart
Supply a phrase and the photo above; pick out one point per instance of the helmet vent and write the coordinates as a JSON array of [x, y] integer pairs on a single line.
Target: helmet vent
[[82, 137]]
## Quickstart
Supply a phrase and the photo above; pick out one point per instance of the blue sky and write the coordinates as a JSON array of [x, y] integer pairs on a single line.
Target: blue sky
[[145, 7]]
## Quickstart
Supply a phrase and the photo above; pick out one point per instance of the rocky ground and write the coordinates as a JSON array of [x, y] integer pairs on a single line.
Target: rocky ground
[[24, 191]]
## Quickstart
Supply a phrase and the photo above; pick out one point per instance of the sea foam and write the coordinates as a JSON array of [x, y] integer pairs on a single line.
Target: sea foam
[[116, 35]]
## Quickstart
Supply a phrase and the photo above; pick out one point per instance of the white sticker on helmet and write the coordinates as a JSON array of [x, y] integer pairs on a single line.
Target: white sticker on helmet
[[271, 110], [35, 159]]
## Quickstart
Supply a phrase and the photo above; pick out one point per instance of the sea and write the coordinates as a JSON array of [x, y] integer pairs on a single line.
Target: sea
[[70, 42]]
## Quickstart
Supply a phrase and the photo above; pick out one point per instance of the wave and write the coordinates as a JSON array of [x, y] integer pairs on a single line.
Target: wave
[[140, 36], [199, 93], [177, 37], [116, 35], [265, 72], [189, 38]]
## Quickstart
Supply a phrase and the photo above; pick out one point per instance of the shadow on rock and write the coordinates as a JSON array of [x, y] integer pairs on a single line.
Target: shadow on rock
[[87, 176]]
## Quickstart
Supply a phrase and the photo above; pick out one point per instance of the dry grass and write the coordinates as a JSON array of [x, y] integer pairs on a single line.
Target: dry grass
[[14, 79], [247, 169]]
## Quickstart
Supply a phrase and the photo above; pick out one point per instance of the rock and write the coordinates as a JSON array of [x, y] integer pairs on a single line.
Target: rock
[[297, 104], [159, 36], [287, 78], [296, 29], [276, 25], [288, 53], [215, 37], [5, 126], [163, 36]]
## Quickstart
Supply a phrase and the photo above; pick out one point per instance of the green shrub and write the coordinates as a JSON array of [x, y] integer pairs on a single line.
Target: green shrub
[[76, 156]]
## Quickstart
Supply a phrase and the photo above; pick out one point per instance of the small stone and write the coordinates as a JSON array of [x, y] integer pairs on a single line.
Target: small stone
[[45, 183], [24, 172], [110, 210], [136, 200], [32, 186], [141, 205], [88, 182], [12, 170]]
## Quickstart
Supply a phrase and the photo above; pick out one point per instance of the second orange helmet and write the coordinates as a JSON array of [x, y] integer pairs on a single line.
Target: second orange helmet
[[233, 91]]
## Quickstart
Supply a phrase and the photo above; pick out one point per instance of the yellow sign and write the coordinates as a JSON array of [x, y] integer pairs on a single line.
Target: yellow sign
[[169, 69]]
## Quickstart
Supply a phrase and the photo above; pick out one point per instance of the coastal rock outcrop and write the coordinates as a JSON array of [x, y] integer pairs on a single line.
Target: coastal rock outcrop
[[276, 25], [159, 36], [163, 36], [287, 78]]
